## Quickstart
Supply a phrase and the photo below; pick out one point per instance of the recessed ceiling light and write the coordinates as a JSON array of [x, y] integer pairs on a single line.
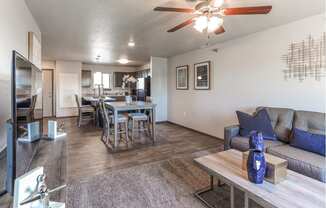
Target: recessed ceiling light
[[131, 44], [123, 61]]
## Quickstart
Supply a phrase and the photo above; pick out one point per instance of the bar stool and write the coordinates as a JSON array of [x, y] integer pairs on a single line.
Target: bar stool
[[149, 99], [108, 120], [122, 127], [143, 123]]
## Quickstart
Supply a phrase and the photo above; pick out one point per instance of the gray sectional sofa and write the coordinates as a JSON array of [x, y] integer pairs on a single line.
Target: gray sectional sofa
[[283, 122]]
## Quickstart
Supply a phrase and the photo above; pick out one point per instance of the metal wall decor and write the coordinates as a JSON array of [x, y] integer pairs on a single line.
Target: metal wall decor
[[306, 59]]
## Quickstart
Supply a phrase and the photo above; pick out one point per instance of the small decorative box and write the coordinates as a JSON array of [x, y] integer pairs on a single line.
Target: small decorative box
[[276, 170]]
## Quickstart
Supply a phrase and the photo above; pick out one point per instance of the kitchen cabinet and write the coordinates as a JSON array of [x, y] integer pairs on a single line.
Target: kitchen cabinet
[[86, 76], [118, 78]]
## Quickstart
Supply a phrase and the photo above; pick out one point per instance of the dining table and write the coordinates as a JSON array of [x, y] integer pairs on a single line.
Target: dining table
[[117, 107], [94, 101]]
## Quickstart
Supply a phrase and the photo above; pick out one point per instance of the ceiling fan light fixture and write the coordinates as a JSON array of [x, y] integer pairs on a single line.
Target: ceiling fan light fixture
[[131, 44], [210, 13], [123, 61], [218, 3], [198, 28], [201, 23], [214, 23]]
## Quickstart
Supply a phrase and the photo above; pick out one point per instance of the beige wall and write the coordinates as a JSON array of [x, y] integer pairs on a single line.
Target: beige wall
[[15, 23], [107, 68], [159, 72], [70, 67], [246, 73], [76, 67], [48, 64], [144, 67]]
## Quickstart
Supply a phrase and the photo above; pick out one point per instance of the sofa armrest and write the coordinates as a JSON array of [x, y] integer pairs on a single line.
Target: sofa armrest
[[229, 133]]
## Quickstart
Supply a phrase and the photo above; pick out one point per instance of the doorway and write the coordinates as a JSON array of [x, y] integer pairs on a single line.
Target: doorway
[[48, 93]]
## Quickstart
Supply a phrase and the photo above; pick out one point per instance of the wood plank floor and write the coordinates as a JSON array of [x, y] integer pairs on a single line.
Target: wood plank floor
[[87, 155], [82, 154]]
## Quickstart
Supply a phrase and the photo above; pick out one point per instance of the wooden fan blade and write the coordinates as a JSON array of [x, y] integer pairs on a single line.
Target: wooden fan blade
[[188, 22], [248, 10], [170, 9], [219, 30]]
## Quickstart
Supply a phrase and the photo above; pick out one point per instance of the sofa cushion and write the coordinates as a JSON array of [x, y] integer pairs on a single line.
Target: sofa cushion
[[282, 119], [259, 122], [312, 122], [242, 143], [301, 161], [308, 141]]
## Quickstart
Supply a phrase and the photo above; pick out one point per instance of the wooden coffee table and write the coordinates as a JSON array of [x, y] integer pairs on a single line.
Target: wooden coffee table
[[295, 192]]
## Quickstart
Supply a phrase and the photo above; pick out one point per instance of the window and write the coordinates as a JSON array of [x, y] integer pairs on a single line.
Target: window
[[97, 79], [102, 79], [106, 80]]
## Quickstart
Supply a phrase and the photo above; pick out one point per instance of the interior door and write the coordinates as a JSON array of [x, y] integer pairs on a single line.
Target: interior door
[[47, 93]]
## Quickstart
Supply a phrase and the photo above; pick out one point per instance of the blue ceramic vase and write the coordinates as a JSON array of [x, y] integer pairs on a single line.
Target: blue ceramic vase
[[256, 141], [256, 166]]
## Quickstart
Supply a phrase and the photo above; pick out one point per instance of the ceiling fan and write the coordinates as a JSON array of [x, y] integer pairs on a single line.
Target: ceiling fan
[[208, 15]]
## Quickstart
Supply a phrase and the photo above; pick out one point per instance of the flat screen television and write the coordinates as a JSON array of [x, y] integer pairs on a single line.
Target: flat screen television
[[26, 109], [27, 98]]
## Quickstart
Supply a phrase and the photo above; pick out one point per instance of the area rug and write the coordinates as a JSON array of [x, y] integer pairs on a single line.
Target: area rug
[[164, 184]]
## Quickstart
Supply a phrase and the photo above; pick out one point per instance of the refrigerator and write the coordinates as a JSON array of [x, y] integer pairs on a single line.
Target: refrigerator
[[143, 88]]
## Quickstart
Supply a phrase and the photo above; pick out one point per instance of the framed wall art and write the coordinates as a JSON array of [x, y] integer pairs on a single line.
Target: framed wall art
[[182, 77], [202, 75]]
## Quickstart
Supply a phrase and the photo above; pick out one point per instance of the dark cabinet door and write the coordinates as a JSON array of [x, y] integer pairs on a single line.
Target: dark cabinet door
[[147, 86], [86, 79], [118, 78]]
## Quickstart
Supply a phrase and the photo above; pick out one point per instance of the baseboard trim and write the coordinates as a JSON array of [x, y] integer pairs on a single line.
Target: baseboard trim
[[161, 122], [194, 130], [58, 117]]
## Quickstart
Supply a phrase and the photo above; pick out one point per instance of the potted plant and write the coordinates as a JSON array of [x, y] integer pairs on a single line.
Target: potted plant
[[126, 81]]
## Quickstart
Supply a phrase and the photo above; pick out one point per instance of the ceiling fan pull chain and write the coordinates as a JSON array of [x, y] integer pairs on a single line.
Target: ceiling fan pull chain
[[208, 38]]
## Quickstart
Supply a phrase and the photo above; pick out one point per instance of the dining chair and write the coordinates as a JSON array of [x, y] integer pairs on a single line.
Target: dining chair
[[106, 130], [149, 99], [85, 112], [108, 121]]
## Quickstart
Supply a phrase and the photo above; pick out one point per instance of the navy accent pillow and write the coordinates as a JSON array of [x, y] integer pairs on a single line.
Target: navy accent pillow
[[259, 122], [308, 141]]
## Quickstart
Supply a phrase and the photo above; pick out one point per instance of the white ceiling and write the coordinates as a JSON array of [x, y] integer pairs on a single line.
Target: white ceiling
[[82, 29]]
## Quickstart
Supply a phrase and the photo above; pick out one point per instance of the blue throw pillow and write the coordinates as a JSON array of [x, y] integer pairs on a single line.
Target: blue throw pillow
[[307, 141], [259, 122]]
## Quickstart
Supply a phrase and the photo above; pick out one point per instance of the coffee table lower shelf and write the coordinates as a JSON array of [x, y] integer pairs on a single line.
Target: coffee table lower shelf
[[198, 194]]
